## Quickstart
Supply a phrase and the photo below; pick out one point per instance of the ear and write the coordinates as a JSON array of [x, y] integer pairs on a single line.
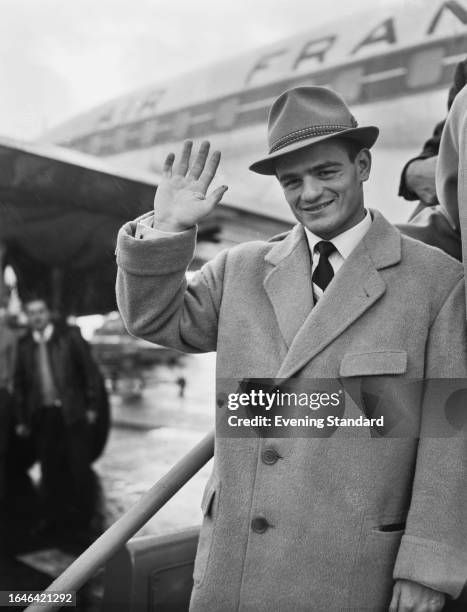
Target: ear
[[363, 164]]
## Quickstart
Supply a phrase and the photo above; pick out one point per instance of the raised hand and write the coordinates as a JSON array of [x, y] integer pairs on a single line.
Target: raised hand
[[421, 179], [181, 199]]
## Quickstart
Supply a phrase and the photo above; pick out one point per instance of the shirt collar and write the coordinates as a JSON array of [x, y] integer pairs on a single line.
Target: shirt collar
[[47, 334], [346, 242]]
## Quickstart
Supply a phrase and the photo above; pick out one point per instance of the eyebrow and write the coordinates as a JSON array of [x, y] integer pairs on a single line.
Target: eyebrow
[[321, 166]]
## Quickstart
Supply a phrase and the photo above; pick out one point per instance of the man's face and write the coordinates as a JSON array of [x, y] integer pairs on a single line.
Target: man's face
[[38, 315], [323, 187]]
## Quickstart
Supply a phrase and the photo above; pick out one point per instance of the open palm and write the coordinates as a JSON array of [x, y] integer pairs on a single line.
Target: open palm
[[181, 199]]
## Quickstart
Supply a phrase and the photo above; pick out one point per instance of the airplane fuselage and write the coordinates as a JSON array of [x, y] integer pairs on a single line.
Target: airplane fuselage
[[393, 67]]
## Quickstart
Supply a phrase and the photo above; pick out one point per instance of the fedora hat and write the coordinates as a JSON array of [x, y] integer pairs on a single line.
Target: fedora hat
[[304, 116]]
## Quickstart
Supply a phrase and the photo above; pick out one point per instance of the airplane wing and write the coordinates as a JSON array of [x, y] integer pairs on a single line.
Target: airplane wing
[[60, 211]]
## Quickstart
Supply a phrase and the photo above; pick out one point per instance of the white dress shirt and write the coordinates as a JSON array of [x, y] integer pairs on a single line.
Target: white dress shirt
[[145, 229], [46, 334], [345, 243]]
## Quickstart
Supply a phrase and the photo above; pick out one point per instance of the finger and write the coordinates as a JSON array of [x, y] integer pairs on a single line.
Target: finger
[[436, 603], [209, 171], [427, 196], [200, 161], [168, 164], [216, 196], [394, 605], [182, 168]]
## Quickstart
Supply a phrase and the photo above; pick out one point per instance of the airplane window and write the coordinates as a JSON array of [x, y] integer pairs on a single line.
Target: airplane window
[[181, 124], [94, 144], [425, 67], [226, 114], [133, 135], [106, 145], [105, 117], [348, 83], [148, 105], [305, 81], [119, 138], [149, 132]]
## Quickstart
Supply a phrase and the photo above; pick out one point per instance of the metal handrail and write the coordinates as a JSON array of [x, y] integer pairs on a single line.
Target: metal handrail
[[85, 566]]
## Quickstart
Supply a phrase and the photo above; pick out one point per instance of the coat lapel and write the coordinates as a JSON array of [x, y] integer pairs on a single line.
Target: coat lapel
[[288, 285], [58, 358], [354, 289], [31, 357]]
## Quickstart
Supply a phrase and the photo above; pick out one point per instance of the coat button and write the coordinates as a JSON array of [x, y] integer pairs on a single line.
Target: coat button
[[259, 524], [270, 456]]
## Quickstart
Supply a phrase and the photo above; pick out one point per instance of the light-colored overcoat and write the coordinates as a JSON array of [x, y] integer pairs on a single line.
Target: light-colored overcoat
[[394, 309], [451, 172]]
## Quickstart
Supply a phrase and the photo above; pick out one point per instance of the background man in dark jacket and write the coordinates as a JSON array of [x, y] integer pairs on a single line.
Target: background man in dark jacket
[[56, 390], [7, 360]]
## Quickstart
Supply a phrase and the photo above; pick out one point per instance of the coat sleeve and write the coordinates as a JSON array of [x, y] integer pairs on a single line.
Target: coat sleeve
[[20, 382], [431, 226], [11, 356], [86, 365], [430, 149], [433, 550], [431, 146], [154, 298]]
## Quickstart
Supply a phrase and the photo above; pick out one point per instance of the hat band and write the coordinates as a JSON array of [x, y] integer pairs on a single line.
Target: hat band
[[303, 134]]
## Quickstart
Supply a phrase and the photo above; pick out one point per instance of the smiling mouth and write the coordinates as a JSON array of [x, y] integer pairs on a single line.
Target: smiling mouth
[[318, 207]]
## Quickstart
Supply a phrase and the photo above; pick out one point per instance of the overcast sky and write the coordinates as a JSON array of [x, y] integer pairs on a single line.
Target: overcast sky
[[63, 56]]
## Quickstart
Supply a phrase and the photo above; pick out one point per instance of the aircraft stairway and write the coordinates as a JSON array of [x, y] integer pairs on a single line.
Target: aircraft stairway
[[148, 573]]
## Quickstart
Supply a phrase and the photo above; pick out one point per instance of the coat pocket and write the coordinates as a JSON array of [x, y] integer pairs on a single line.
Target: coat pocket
[[376, 363], [209, 507], [372, 581]]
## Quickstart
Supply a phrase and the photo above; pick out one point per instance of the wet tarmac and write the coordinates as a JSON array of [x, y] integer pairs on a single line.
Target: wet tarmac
[[149, 434]]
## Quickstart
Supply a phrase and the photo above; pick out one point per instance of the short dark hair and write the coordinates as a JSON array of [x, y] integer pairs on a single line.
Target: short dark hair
[[35, 298], [353, 147]]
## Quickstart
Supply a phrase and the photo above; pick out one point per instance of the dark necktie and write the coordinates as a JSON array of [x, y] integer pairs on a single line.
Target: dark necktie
[[323, 272], [46, 378]]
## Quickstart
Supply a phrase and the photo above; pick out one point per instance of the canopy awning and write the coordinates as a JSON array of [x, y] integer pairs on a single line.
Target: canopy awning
[[60, 212]]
